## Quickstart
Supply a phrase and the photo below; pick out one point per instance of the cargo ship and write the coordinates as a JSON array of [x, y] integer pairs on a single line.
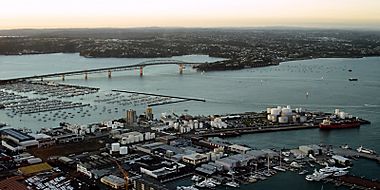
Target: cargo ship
[[342, 124]]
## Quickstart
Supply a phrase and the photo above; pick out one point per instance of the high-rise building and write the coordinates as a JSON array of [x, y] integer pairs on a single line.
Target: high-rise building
[[149, 113], [131, 116]]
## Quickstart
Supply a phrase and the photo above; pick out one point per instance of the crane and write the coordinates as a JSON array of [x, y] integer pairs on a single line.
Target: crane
[[125, 174]]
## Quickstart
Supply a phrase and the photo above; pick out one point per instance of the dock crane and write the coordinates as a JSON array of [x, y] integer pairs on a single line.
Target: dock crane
[[125, 174]]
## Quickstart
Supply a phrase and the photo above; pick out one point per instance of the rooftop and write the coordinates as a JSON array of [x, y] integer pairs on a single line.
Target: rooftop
[[17, 134]]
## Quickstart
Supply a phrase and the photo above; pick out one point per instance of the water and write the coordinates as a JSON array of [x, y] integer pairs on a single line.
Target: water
[[326, 81]]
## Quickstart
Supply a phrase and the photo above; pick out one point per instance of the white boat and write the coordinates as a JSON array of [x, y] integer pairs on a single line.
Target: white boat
[[316, 176], [279, 168], [233, 184], [333, 169], [340, 173], [303, 172], [196, 178], [214, 181], [187, 188], [365, 150]]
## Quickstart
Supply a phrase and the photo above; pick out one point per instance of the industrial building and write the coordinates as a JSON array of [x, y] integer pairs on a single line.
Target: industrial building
[[15, 140], [195, 158], [238, 148], [113, 181]]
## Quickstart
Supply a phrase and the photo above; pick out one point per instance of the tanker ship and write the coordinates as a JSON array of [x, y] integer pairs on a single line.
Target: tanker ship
[[341, 124]]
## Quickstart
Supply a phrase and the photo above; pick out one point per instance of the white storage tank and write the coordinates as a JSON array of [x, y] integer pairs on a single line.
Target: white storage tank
[[269, 117], [302, 119], [268, 110], [196, 124], [294, 118], [201, 125], [283, 119], [337, 111], [115, 147], [141, 137], [286, 111], [342, 115], [275, 111], [123, 150], [274, 118], [152, 135]]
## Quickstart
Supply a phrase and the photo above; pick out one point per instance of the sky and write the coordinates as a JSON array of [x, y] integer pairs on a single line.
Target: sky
[[188, 13]]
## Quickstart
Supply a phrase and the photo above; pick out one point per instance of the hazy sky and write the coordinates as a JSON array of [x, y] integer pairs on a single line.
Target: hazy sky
[[187, 13]]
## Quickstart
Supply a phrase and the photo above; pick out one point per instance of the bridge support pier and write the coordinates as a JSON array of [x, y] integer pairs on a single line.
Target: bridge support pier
[[63, 77], [181, 67], [85, 76], [42, 79], [109, 74], [141, 71]]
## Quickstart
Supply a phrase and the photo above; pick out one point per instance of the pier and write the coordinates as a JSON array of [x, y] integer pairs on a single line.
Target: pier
[[354, 153], [248, 130], [160, 95]]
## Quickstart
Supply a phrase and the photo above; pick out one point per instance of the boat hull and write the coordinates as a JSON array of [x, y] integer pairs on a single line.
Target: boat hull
[[340, 125]]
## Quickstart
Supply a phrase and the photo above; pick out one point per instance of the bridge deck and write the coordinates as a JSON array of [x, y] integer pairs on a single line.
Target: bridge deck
[[99, 70]]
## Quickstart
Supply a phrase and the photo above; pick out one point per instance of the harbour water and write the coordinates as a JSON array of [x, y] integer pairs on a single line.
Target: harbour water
[[325, 80]]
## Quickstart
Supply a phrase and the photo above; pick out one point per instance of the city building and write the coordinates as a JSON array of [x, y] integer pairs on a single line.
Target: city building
[[15, 140], [149, 113], [238, 148], [131, 116], [113, 181], [195, 158]]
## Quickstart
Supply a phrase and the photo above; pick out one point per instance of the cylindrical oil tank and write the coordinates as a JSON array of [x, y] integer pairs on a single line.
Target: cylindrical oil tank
[[283, 119], [337, 111], [274, 118], [342, 115], [115, 147], [286, 111], [275, 111], [302, 119], [123, 150]]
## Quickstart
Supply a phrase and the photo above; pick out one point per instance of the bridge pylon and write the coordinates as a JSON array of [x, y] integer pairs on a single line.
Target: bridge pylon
[[141, 71], [181, 67], [85, 76], [63, 77], [109, 74]]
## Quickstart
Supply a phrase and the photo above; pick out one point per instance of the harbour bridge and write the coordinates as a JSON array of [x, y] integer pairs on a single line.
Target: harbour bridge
[[109, 70]]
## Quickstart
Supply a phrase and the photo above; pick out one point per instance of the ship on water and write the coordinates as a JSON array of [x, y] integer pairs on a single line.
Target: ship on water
[[339, 124], [340, 120]]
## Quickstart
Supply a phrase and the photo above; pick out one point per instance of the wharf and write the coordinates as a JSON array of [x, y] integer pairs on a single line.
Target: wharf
[[248, 130], [160, 95], [354, 182], [354, 153]]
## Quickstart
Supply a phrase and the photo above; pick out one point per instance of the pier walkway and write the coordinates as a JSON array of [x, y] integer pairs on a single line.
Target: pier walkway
[[160, 95]]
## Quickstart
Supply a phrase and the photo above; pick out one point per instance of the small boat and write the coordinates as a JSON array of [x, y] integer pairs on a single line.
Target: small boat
[[279, 168], [345, 146], [340, 173], [233, 184], [353, 79], [361, 149], [303, 172]]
